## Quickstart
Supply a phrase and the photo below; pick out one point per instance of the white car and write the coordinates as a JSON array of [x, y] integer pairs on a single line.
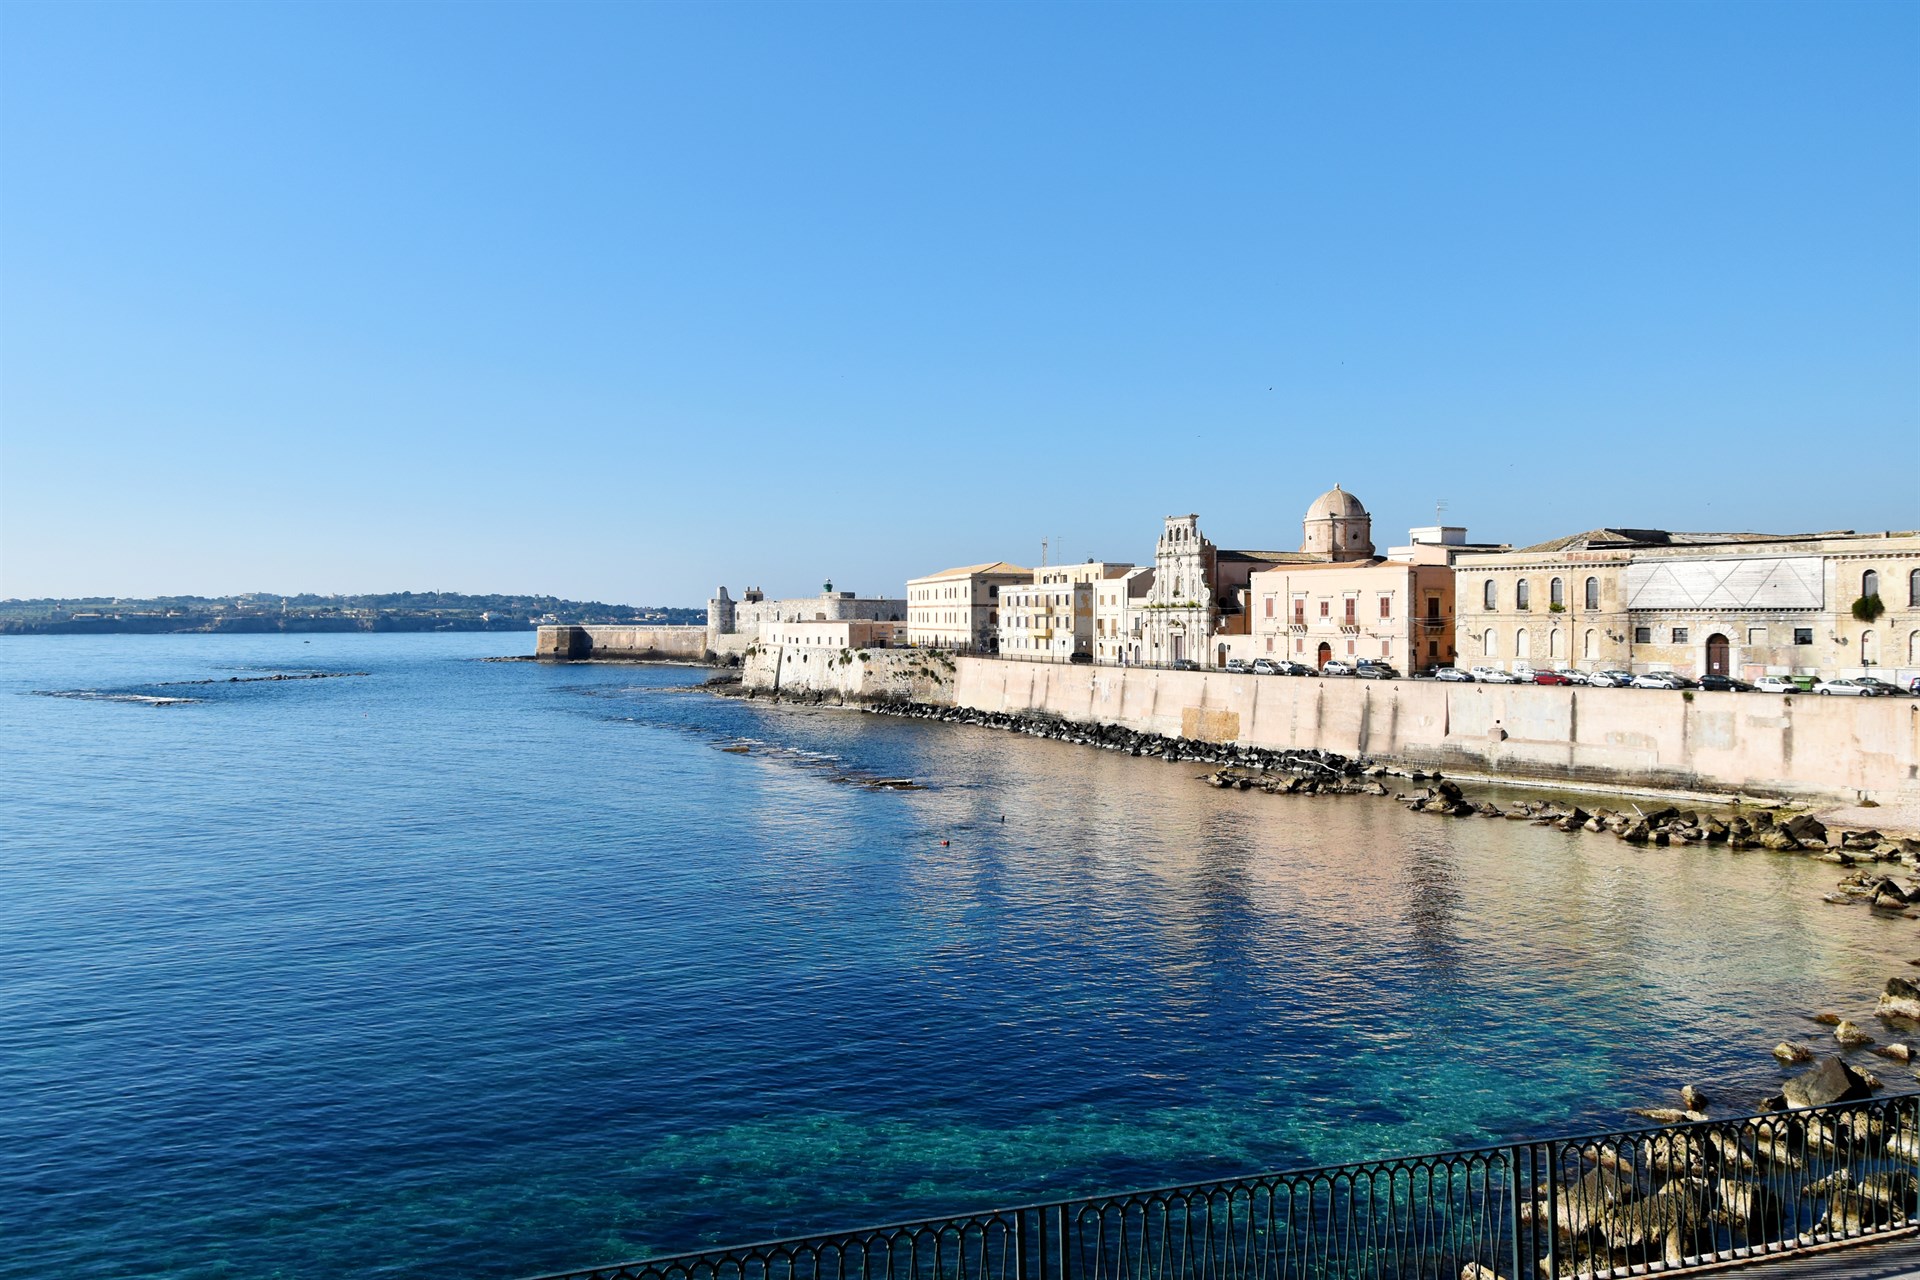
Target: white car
[[1610, 679], [1452, 675], [1337, 668], [1493, 675], [1775, 684], [1846, 689], [1265, 667], [1237, 666], [1659, 680], [1573, 676]]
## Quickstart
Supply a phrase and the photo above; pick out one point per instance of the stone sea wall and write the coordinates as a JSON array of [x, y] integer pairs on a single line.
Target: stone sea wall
[[849, 675], [609, 642], [1804, 746]]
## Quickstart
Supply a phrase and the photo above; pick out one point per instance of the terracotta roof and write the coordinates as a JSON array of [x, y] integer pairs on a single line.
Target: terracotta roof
[[1272, 557], [969, 570]]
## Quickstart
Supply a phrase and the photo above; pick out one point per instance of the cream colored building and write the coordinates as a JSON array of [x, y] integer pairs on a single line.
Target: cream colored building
[[960, 608], [1052, 617], [834, 634], [1118, 611], [1738, 604]]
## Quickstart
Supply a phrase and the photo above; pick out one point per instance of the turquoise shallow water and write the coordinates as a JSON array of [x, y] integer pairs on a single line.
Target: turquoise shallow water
[[511, 968]]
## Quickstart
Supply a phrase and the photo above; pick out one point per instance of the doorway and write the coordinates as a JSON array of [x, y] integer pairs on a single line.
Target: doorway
[[1719, 655], [1326, 652]]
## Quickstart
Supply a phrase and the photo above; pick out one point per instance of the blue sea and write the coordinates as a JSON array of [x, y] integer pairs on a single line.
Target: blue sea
[[447, 965]]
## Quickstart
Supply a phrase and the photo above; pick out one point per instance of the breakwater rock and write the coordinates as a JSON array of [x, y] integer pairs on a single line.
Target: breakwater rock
[[1239, 767]]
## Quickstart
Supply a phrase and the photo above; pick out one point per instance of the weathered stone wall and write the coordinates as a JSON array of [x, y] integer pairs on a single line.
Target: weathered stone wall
[[856, 675], [580, 643], [1760, 744]]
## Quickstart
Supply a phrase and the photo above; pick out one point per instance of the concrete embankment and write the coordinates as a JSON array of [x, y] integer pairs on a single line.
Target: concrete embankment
[[849, 675], [1816, 749]]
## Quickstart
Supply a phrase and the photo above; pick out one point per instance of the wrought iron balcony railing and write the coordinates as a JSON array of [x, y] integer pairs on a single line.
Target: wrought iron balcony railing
[[1638, 1202]]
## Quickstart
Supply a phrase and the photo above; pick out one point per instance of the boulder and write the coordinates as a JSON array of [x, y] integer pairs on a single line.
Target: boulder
[[1828, 1019], [1806, 828], [1896, 1051], [1636, 834], [1849, 1034], [1693, 1099], [1901, 999], [1779, 841], [1787, 1051], [1829, 1081]]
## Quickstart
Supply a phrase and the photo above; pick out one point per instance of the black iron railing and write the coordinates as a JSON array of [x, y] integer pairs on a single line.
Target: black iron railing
[[1635, 1202]]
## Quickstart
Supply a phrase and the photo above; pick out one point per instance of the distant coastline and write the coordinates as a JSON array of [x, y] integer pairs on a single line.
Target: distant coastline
[[260, 613]]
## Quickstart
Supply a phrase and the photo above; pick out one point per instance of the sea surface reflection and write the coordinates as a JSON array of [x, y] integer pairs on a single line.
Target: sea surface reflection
[[514, 968]]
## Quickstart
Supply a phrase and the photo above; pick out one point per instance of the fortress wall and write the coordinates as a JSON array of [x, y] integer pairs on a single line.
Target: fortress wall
[[856, 675], [1804, 746], [578, 643]]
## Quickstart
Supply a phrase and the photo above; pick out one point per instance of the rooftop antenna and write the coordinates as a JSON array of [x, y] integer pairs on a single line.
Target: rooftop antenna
[[1440, 511], [1043, 553]]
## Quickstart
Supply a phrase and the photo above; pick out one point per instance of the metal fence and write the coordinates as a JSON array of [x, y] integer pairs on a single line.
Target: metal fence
[[1636, 1202]]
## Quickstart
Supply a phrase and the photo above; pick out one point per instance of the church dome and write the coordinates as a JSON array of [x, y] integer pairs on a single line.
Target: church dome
[[1336, 504]]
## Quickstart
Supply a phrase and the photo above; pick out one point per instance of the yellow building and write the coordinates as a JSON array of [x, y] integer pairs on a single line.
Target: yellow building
[[1740, 604], [1053, 616], [960, 608]]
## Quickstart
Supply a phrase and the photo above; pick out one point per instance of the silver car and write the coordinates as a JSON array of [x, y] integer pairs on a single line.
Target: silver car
[[1846, 689]]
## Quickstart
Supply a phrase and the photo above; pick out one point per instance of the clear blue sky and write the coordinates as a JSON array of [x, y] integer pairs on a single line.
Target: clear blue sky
[[624, 301]]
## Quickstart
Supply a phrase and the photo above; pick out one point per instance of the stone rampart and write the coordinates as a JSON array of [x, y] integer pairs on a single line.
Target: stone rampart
[[604, 642], [850, 675], [1801, 746]]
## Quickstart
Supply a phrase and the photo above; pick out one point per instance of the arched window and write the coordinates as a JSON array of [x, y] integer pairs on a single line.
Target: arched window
[[1589, 645], [1913, 649], [1869, 648], [1490, 643], [1593, 593], [1553, 640], [1870, 583], [1491, 598], [1522, 593], [1557, 593], [1521, 649]]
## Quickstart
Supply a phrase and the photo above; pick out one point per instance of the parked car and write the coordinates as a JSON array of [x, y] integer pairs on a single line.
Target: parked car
[[1660, 680], [1080, 655], [1237, 666], [1846, 689], [1724, 684], [1184, 664], [1453, 675], [1913, 686], [1376, 671], [1493, 675], [1776, 684], [1551, 677], [1266, 667], [1610, 679], [1573, 675], [1296, 669], [1880, 686], [1337, 668]]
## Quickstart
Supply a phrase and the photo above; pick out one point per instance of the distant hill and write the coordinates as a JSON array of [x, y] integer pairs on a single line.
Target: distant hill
[[261, 611]]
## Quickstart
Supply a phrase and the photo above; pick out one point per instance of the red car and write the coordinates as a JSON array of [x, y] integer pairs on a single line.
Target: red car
[[1550, 677]]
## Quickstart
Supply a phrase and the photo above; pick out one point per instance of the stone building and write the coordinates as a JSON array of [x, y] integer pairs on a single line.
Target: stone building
[[1377, 609], [960, 608], [748, 617], [1740, 604], [1053, 616], [1118, 611]]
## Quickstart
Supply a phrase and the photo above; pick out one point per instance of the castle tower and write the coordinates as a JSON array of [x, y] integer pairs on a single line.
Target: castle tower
[[720, 614], [1337, 527]]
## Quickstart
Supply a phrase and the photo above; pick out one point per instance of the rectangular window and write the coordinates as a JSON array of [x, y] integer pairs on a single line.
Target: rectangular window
[[1643, 635], [1386, 606], [1350, 610], [1326, 609], [1756, 635], [1300, 612], [1349, 648], [1679, 635], [1269, 606], [1803, 635]]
